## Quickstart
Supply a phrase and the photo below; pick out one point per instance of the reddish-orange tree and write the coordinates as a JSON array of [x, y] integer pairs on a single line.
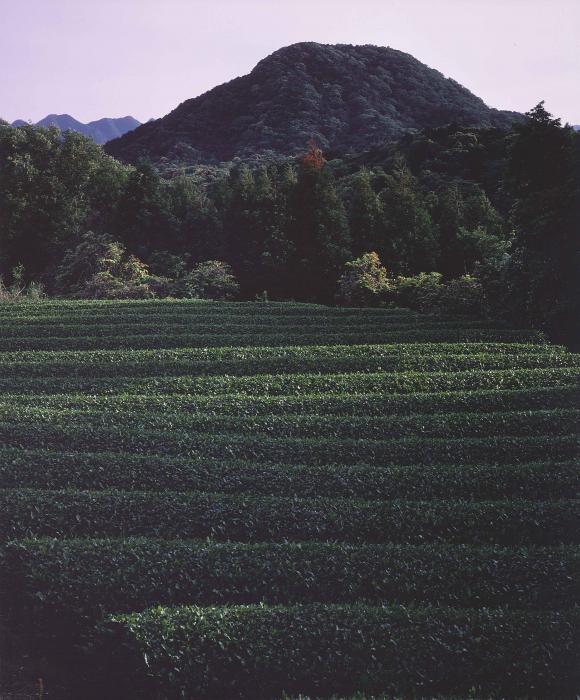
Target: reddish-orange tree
[[314, 158]]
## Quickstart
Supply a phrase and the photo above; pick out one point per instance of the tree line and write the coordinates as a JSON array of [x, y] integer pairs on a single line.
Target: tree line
[[499, 207]]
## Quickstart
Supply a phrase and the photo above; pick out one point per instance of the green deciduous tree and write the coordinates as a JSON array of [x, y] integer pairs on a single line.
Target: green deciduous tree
[[365, 282], [101, 268], [212, 279], [364, 213], [409, 237], [544, 178], [51, 186], [318, 231]]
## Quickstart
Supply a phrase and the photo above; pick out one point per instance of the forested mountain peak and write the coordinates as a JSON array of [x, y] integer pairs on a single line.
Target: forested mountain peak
[[347, 98]]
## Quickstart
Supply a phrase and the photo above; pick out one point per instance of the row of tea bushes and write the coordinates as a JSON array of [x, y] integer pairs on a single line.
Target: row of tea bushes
[[297, 384], [448, 425], [343, 404], [69, 584], [259, 652], [299, 478], [385, 358], [298, 450], [212, 325], [53, 469], [250, 518], [251, 338]]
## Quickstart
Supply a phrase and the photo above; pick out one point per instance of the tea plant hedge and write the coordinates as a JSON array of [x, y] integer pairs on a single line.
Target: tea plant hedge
[[276, 500]]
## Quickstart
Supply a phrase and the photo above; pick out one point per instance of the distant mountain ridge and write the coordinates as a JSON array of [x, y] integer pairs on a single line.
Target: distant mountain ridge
[[101, 130], [347, 98]]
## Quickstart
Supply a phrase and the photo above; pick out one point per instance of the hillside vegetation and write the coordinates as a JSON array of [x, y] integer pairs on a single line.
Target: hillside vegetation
[[219, 500], [347, 98], [490, 210]]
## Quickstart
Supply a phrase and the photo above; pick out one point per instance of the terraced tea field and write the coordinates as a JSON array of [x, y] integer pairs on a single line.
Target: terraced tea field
[[205, 500]]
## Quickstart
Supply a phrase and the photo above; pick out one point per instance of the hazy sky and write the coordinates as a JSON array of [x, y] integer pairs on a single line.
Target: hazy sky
[[97, 58]]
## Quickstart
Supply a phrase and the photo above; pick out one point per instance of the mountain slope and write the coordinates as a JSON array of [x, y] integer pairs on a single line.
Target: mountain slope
[[104, 130], [345, 97], [101, 130]]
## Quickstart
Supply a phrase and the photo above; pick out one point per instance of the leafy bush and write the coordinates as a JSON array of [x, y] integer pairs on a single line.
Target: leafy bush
[[249, 338], [463, 295], [212, 279], [18, 290], [449, 425], [260, 453], [367, 404], [421, 292], [426, 292], [100, 268], [364, 283]]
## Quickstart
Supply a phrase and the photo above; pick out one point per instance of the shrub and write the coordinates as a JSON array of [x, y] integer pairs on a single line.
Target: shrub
[[463, 295], [426, 292], [295, 384], [104, 285], [211, 280], [18, 290], [101, 268], [242, 361], [364, 283], [421, 292]]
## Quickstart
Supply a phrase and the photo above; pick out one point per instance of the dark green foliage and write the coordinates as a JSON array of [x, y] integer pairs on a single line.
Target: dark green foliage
[[364, 214], [267, 453], [230, 361], [455, 333], [54, 469], [100, 268], [258, 652], [297, 384], [66, 586], [319, 233], [364, 282], [544, 172], [448, 425], [362, 405], [444, 200], [300, 450], [345, 97], [408, 238], [211, 279], [250, 518], [50, 184]]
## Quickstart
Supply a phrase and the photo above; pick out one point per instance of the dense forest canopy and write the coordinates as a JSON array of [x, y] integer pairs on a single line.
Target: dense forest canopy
[[499, 205]]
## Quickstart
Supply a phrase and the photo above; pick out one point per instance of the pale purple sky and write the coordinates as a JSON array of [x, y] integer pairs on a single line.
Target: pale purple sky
[[110, 58]]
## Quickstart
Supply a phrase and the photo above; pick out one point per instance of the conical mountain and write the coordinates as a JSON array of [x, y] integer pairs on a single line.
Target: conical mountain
[[347, 98]]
